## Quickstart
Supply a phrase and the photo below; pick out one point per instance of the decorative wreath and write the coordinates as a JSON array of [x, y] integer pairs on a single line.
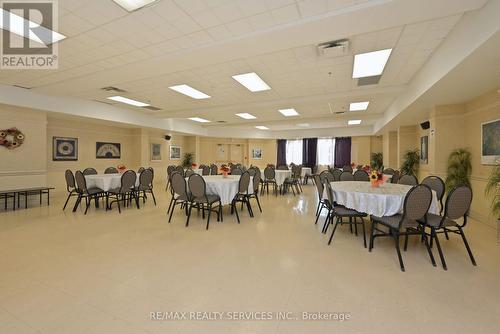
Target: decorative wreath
[[11, 138]]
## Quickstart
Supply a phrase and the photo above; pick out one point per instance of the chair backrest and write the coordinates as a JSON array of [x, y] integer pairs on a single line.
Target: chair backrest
[[146, 178], [325, 176], [236, 171], [436, 184], [244, 183], [256, 181], [329, 193], [336, 174], [111, 170], [269, 173], [395, 177], [70, 180], [140, 170], [179, 184], [170, 170], [417, 202], [189, 172], [213, 169], [205, 170], [346, 176], [388, 171], [319, 186], [296, 171], [81, 182], [458, 202], [251, 171], [409, 180], [282, 167], [179, 169], [197, 185], [128, 181], [89, 171], [361, 175], [347, 168]]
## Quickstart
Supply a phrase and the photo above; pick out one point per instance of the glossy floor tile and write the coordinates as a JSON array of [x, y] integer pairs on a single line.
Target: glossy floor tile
[[64, 272]]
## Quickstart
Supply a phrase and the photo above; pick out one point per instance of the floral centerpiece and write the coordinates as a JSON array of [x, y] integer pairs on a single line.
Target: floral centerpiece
[[193, 166], [376, 178], [224, 171], [367, 168], [121, 168]]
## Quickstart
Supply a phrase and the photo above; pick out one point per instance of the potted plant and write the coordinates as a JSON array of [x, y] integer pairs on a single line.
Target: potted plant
[[459, 169], [411, 162], [493, 189], [377, 160], [187, 160]]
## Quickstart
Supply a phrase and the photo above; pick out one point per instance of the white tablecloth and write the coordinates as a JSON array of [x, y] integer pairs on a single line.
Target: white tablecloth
[[386, 200], [106, 181], [196, 171], [226, 188], [281, 175], [306, 170]]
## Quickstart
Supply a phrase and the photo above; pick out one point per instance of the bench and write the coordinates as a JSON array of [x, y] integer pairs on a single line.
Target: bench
[[24, 192]]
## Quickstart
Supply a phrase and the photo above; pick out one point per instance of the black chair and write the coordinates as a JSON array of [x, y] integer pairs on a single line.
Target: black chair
[[347, 168], [395, 177], [125, 193], [326, 175], [307, 176], [111, 170], [256, 183], [336, 174], [409, 180], [170, 170], [388, 171], [87, 193], [199, 196], [436, 184], [293, 181], [180, 194], [70, 186], [346, 176], [236, 171], [145, 185], [205, 170], [341, 213], [361, 175], [282, 167], [213, 169], [242, 196], [140, 170], [89, 171], [189, 172], [270, 178], [322, 202], [416, 204], [457, 206]]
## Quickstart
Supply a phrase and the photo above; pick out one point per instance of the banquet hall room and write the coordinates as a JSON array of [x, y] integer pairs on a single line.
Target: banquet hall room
[[249, 166]]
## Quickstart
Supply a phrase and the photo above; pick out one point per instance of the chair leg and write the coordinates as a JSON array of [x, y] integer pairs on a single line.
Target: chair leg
[[372, 236], [220, 211], [189, 214], [236, 211], [406, 242], [424, 236], [355, 226], [87, 204], [154, 199], [317, 209], [209, 214], [440, 251], [319, 213], [136, 199], [170, 204], [333, 232], [65, 203], [364, 234], [258, 202], [326, 224], [249, 207], [77, 202], [446, 233], [396, 243], [118, 203], [467, 246], [171, 211]]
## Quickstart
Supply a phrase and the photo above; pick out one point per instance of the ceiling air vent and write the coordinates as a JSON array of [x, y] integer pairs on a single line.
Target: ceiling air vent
[[334, 48], [366, 81], [153, 108], [113, 89]]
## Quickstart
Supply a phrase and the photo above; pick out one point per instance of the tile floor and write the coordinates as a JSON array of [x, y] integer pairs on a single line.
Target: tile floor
[[104, 273]]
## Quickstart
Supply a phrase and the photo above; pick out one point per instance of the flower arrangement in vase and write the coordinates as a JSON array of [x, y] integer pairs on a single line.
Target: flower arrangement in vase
[[193, 166], [121, 168], [225, 171], [367, 169], [353, 165], [376, 178]]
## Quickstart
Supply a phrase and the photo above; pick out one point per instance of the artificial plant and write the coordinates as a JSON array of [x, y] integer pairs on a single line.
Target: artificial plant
[[459, 169], [377, 161], [411, 162]]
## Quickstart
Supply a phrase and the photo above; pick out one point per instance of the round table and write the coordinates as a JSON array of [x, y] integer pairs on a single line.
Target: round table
[[281, 175], [385, 200], [106, 182], [226, 188]]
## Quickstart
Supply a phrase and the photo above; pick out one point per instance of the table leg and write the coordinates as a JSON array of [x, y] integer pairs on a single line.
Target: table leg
[[48, 197], [26, 200], [41, 197]]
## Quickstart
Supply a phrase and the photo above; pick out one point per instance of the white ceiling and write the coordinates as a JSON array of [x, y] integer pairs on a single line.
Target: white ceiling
[[204, 42]]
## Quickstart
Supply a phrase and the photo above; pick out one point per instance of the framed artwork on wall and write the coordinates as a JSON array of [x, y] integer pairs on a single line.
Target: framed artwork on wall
[[257, 153], [490, 143], [64, 149], [175, 152], [105, 150], [155, 152], [424, 149]]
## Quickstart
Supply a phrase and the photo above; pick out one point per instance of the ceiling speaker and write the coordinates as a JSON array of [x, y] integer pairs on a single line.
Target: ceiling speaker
[[425, 125], [168, 137]]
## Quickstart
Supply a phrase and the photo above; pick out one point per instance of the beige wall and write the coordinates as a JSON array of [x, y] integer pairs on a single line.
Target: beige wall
[[390, 148], [406, 141], [269, 152]]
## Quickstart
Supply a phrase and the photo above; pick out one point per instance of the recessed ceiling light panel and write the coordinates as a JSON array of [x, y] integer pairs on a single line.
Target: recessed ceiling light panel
[[132, 5], [252, 82], [262, 127], [354, 122], [370, 63], [128, 101], [190, 91], [289, 112], [358, 106], [303, 125], [199, 119], [246, 116]]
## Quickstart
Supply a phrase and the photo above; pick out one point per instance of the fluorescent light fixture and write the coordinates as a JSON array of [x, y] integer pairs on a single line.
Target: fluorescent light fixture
[[16, 26], [190, 91], [303, 125], [131, 5], [357, 106], [289, 112], [198, 119], [354, 122], [370, 63], [128, 101], [246, 115], [262, 127], [252, 82]]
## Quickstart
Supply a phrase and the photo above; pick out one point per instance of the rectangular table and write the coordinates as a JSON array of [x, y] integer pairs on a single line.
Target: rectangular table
[[33, 191]]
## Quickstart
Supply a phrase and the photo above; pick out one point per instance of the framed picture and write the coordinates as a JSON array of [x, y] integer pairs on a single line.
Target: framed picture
[[175, 152], [155, 152], [64, 149], [107, 150], [257, 153], [490, 145], [424, 149]]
